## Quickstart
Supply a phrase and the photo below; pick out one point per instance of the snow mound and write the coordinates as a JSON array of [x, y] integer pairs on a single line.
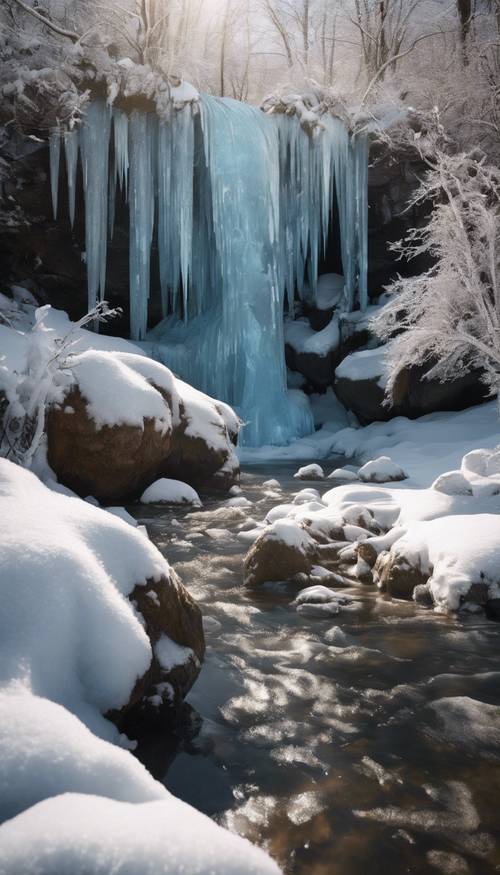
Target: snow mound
[[46, 751], [67, 629], [76, 834], [290, 533], [381, 470], [343, 474], [452, 483], [165, 491], [310, 472]]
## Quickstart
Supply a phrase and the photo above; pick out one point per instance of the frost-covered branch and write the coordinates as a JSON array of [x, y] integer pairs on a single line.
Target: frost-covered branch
[[44, 380], [448, 318]]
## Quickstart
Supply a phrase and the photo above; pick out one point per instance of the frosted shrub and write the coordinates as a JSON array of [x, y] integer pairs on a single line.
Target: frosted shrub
[[43, 381], [449, 317]]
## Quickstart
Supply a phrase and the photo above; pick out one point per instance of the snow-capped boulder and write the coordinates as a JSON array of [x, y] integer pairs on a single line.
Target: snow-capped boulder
[[456, 557], [283, 550], [128, 421], [165, 491], [381, 470], [452, 483], [310, 472], [86, 597], [314, 354], [346, 475], [361, 378]]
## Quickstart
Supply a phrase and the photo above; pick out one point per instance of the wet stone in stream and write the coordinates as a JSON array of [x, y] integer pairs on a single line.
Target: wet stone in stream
[[367, 741]]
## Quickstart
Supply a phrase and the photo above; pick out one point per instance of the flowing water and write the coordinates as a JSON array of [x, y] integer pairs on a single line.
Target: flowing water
[[341, 755]]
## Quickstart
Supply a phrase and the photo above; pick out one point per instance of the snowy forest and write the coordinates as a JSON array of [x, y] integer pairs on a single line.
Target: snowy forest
[[249, 437]]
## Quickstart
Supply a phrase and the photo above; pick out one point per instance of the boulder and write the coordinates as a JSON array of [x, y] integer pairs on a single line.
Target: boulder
[[396, 577], [360, 385], [168, 610], [113, 463], [126, 422], [199, 463], [283, 550]]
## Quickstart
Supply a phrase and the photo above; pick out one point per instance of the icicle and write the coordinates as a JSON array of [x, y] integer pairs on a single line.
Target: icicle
[[120, 141], [244, 202], [141, 197], [71, 153], [55, 154], [94, 141], [361, 147]]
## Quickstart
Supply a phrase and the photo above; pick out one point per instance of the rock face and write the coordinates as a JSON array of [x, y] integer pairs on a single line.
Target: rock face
[[112, 463], [167, 609]]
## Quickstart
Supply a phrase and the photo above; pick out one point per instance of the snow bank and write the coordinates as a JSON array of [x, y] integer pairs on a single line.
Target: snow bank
[[166, 491], [88, 835], [424, 447], [456, 552]]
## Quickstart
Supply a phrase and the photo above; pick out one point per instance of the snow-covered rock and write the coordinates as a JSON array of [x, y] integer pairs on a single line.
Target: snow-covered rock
[[452, 483], [117, 420], [381, 470], [458, 557], [345, 474], [310, 472], [281, 551], [74, 580], [166, 491]]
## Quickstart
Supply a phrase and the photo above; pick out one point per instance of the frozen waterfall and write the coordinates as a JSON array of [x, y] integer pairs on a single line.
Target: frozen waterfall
[[238, 204]]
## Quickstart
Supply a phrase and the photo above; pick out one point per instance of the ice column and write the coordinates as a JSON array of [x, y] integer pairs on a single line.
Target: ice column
[[141, 211], [94, 145]]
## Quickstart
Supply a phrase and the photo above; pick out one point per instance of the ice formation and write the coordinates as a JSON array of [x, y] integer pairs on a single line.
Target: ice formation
[[240, 204]]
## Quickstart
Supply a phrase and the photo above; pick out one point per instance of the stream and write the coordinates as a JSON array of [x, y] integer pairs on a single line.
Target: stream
[[344, 745]]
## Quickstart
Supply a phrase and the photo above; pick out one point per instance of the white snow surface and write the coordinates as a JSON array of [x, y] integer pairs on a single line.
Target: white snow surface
[[367, 364], [76, 834], [457, 551], [304, 339], [165, 491]]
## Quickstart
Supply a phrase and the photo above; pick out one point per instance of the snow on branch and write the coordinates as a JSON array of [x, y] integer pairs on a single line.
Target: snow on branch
[[448, 318]]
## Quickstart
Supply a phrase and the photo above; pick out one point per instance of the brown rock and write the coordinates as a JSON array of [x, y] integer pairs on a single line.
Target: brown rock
[[195, 462], [111, 463], [167, 609], [396, 577], [272, 559]]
